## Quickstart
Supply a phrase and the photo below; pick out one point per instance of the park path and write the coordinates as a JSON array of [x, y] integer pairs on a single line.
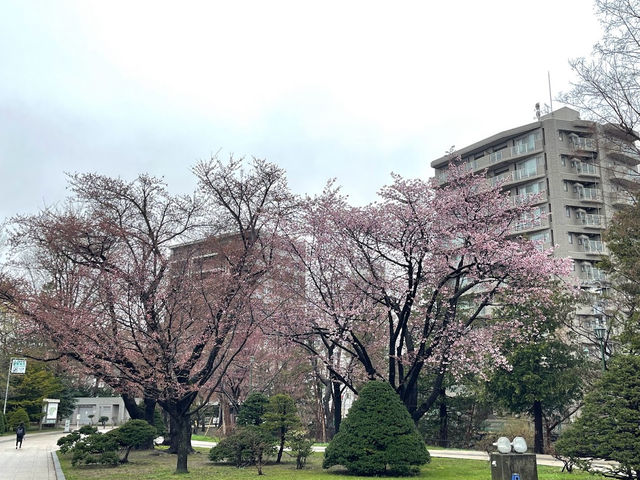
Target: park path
[[444, 453], [31, 462]]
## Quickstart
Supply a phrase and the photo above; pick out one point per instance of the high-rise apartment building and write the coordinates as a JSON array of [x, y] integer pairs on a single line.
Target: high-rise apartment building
[[581, 172]]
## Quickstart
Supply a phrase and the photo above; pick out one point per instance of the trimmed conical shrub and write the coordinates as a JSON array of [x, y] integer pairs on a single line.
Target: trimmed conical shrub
[[378, 436]]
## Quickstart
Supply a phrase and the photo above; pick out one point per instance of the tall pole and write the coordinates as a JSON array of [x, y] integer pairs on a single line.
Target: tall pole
[[6, 392], [604, 362]]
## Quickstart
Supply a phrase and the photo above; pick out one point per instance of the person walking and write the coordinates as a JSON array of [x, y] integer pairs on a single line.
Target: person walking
[[20, 432]]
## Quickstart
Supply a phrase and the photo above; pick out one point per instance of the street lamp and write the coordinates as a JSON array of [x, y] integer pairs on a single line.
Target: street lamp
[[600, 331]]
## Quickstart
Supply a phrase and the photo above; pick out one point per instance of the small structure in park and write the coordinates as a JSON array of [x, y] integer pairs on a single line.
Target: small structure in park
[[513, 465]]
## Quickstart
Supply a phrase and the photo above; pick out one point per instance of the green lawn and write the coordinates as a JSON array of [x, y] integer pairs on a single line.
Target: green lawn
[[159, 466], [204, 438]]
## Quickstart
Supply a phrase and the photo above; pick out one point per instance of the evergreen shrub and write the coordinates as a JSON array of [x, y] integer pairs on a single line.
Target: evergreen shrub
[[378, 436], [16, 417]]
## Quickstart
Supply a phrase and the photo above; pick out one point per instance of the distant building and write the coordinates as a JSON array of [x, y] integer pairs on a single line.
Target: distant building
[[110, 407], [583, 172]]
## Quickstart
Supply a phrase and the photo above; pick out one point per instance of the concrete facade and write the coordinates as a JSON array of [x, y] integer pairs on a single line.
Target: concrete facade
[[112, 407], [581, 171]]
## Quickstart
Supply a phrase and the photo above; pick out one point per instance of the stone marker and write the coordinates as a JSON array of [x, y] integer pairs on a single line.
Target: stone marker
[[513, 466]]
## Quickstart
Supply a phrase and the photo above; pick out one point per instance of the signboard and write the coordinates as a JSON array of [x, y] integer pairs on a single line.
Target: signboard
[[18, 365], [52, 411]]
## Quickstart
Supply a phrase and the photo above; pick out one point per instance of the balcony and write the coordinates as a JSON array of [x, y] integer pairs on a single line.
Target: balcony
[[585, 168], [593, 220], [593, 246], [530, 224], [622, 151], [593, 275], [589, 220], [524, 173], [522, 149], [589, 194], [620, 199], [624, 175], [526, 198], [582, 143], [505, 154]]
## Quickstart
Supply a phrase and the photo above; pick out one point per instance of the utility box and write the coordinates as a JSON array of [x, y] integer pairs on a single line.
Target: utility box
[[513, 466]]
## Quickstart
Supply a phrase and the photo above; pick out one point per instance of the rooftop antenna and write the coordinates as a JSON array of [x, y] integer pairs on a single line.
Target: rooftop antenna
[[550, 96]]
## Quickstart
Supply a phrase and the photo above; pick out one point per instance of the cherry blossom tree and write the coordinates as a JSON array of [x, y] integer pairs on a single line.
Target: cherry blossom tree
[[406, 285], [122, 281]]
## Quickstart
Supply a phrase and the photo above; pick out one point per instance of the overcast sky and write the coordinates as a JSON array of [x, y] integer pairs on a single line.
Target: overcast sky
[[345, 89]]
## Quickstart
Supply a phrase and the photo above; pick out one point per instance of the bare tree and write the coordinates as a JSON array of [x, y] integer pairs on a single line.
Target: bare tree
[[608, 87]]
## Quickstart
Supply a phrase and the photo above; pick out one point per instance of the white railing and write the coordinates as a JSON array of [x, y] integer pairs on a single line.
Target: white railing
[[593, 219], [593, 246], [500, 178], [524, 173], [522, 148], [588, 193], [582, 143], [584, 168]]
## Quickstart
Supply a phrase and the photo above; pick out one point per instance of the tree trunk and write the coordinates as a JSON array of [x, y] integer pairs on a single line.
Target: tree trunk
[[181, 428], [537, 422], [132, 407], [281, 449], [327, 415], [175, 438], [227, 426], [336, 395], [547, 436], [444, 420]]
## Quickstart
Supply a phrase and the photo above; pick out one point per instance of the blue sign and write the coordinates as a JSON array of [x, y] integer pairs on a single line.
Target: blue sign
[[515, 476]]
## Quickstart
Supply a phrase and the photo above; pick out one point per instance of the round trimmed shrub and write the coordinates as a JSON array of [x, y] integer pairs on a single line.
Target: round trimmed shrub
[[16, 417], [252, 410], [378, 436]]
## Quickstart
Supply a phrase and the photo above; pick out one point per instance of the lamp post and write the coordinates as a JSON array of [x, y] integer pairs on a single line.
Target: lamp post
[[600, 331]]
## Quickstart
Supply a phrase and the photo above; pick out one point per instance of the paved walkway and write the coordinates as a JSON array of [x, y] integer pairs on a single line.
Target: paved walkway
[[31, 462], [444, 453]]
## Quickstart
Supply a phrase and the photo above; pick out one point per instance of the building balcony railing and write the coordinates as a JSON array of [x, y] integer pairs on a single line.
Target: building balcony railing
[[589, 194], [624, 174], [585, 168], [591, 220], [525, 198], [524, 173], [593, 246], [522, 149], [531, 224], [593, 275], [582, 143], [622, 151], [514, 176], [621, 198], [507, 154]]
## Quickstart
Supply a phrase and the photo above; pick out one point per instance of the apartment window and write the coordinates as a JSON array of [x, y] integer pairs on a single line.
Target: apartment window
[[563, 160], [566, 186], [570, 238], [567, 211]]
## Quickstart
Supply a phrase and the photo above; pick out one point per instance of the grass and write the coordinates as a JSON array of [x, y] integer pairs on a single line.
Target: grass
[[204, 438], [157, 465]]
